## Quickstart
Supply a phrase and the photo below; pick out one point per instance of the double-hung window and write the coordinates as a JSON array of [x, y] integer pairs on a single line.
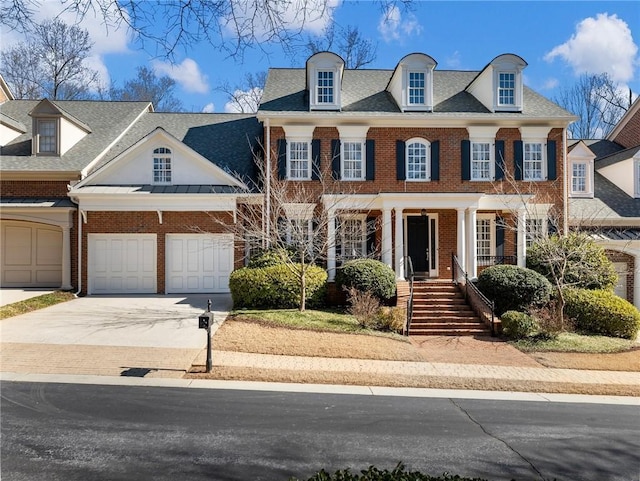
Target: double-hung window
[[534, 230], [481, 161], [533, 161], [506, 89], [579, 178], [485, 239], [353, 156], [47, 136], [416, 88], [325, 87], [299, 160], [353, 237], [417, 160], [162, 165]]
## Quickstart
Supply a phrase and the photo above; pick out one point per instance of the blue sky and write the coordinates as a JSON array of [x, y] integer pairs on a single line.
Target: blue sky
[[559, 40]]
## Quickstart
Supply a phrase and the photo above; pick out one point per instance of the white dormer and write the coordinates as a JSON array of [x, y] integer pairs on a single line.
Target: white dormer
[[624, 173], [581, 161], [324, 81], [411, 84], [9, 129], [54, 130], [499, 85]]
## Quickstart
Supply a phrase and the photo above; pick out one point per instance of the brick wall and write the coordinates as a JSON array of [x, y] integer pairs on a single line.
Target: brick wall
[[34, 188], [629, 135]]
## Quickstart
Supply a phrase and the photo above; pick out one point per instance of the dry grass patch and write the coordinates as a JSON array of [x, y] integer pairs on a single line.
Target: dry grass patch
[[618, 361], [243, 335], [34, 303]]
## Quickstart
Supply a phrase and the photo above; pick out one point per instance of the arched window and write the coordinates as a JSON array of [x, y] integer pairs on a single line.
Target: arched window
[[162, 165], [418, 161]]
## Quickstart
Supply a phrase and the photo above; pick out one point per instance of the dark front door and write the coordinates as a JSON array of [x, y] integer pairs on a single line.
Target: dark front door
[[418, 242]]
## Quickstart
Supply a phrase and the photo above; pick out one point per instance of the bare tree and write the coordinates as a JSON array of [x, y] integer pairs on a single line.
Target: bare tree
[[245, 98], [147, 86], [229, 25], [51, 63], [598, 101], [348, 42]]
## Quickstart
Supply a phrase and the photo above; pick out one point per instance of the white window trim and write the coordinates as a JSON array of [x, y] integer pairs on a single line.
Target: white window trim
[[588, 192], [56, 123], [543, 151], [492, 237], [427, 97], [337, 87], [544, 227], [155, 155], [492, 160], [517, 94], [362, 218], [363, 144], [427, 144], [309, 158]]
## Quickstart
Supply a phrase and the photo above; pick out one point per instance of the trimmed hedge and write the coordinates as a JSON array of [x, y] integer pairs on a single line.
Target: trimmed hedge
[[368, 275], [271, 257], [602, 312], [518, 325], [514, 288], [276, 286], [376, 474]]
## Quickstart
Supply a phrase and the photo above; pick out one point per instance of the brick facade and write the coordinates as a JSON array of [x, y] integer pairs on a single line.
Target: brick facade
[[617, 256]]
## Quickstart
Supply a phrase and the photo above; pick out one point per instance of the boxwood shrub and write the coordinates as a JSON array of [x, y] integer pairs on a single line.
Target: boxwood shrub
[[602, 312], [518, 325], [514, 288], [368, 275], [375, 474], [276, 286]]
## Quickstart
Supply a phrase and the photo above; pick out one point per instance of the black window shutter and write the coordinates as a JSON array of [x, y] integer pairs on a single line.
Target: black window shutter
[[551, 160], [465, 149], [371, 159], [435, 160], [335, 158], [518, 157], [500, 159], [371, 235], [400, 161], [315, 159], [282, 159], [499, 237]]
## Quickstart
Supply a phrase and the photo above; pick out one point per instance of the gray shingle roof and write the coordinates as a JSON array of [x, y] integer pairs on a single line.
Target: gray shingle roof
[[227, 140], [364, 91], [616, 157], [609, 202], [106, 120], [600, 147]]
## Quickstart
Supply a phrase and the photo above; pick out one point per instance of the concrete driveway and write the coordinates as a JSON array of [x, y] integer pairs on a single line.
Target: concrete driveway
[[143, 336]]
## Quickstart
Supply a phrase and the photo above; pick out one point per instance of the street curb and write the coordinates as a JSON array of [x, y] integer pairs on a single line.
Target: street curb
[[320, 388]]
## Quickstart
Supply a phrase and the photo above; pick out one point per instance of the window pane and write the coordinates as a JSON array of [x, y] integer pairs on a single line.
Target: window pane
[[579, 178], [325, 87], [534, 230], [47, 132], [162, 166], [299, 160], [417, 161], [481, 161], [416, 88], [483, 236], [353, 240], [533, 161], [352, 160], [507, 89]]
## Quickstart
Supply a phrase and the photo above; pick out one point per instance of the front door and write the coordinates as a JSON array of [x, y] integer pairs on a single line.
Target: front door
[[418, 243]]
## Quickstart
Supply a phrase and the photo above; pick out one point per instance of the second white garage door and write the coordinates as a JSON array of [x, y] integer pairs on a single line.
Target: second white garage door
[[122, 264], [198, 263]]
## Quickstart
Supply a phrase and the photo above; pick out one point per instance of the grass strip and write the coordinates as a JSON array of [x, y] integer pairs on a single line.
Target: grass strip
[[34, 303], [572, 342]]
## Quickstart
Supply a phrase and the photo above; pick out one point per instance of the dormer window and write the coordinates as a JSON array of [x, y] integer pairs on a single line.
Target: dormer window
[[416, 88], [162, 166], [47, 136], [324, 81], [581, 161], [499, 85], [411, 84], [506, 89]]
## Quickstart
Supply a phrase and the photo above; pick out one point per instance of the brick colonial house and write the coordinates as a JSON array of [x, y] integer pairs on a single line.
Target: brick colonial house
[[604, 197], [112, 197]]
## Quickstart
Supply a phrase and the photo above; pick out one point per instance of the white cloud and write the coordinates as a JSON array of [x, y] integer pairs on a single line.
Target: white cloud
[[453, 61], [187, 74], [601, 44], [244, 101], [209, 108], [550, 84], [393, 27]]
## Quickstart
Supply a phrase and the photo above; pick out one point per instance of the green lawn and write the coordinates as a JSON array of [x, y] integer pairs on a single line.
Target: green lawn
[[34, 304], [325, 320], [571, 342]]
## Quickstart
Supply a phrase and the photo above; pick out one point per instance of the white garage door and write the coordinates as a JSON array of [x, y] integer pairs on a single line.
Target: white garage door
[[31, 254], [199, 262], [122, 264]]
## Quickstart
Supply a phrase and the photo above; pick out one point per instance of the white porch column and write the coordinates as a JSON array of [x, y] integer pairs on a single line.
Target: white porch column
[[331, 248], [472, 245], [66, 259], [522, 238], [462, 244], [387, 254], [399, 244]]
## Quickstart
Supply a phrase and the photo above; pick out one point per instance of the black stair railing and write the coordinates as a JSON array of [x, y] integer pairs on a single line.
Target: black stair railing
[[410, 277], [484, 307]]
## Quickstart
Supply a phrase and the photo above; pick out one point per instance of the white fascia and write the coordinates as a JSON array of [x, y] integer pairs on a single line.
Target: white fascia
[[153, 202]]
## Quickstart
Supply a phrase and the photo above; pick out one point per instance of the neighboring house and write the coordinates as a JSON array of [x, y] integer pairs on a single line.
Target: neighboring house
[[604, 191], [438, 162], [111, 197]]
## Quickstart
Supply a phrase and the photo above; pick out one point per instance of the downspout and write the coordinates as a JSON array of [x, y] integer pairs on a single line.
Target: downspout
[[79, 252], [267, 218], [565, 186]]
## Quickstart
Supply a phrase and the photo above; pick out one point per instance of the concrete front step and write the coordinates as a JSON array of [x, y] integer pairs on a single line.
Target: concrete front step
[[448, 332], [448, 325]]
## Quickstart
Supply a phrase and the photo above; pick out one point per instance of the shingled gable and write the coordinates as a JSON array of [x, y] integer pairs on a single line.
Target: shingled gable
[[133, 166]]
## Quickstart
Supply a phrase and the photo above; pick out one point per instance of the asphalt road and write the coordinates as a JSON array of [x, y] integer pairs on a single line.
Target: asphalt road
[[91, 432]]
